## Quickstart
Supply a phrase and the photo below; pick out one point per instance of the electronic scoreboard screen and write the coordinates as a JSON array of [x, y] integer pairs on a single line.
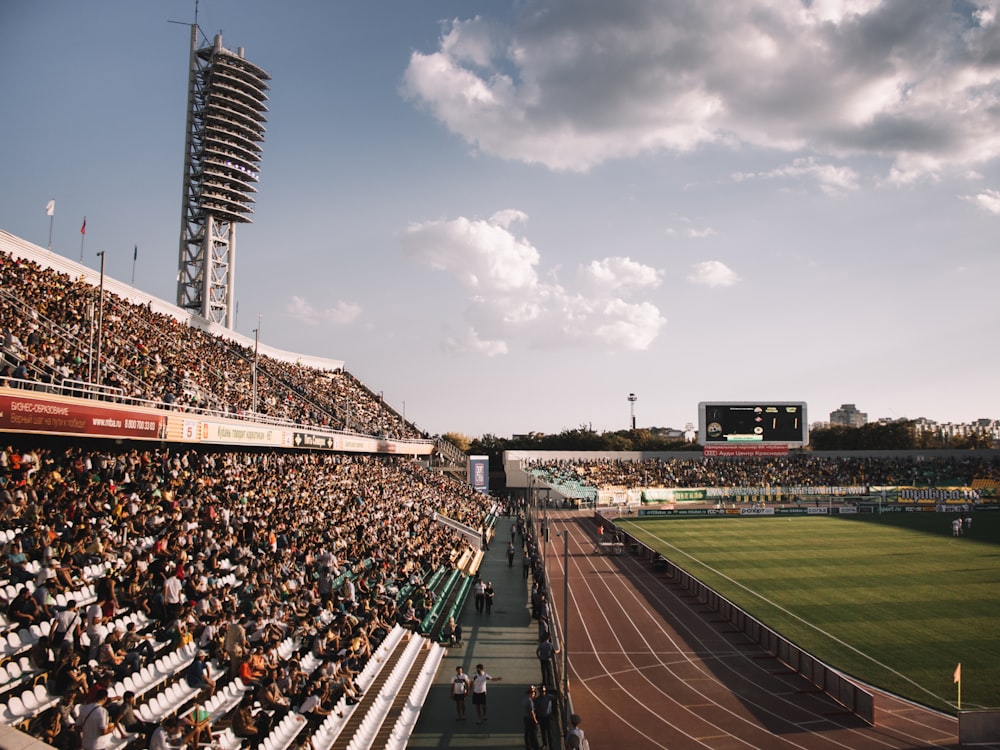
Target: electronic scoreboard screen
[[760, 423]]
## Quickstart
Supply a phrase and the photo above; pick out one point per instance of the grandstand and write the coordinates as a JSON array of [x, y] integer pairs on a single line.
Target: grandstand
[[314, 540], [632, 478], [154, 354], [319, 539]]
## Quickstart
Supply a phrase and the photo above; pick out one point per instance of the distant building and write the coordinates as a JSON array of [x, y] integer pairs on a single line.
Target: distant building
[[988, 429], [848, 416]]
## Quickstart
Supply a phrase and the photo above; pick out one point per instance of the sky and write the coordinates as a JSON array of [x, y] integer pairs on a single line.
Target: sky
[[507, 217]]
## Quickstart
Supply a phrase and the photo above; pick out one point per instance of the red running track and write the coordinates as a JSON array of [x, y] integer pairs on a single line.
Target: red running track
[[650, 668]]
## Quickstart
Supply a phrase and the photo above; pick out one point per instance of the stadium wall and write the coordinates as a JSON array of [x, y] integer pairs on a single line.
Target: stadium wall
[[39, 413]]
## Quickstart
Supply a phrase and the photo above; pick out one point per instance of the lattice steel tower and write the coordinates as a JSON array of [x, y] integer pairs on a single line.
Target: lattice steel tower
[[222, 152]]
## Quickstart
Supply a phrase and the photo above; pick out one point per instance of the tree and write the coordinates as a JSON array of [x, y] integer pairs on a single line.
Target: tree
[[460, 441]]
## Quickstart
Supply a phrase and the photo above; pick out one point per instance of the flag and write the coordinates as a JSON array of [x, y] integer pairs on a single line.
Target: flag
[[135, 253], [50, 208], [958, 672], [83, 227]]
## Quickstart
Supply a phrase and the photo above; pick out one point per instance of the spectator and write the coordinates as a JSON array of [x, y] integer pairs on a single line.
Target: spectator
[[94, 721]]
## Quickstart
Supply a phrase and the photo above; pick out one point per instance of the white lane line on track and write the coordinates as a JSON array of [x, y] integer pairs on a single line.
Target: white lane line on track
[[659, 716], [919, 740], [870, 737]]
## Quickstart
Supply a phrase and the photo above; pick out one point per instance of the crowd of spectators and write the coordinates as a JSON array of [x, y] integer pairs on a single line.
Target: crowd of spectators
[[166, 525], [799, 470], [51, 325]]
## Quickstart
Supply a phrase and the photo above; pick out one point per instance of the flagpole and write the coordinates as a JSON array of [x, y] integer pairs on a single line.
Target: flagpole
[[50, 209], [100, 322], [958, 681], [83, 236], [135, 255]]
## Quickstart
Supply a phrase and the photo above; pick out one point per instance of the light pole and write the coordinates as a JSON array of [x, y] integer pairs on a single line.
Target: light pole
[[632, 398], [90, 343], [256, 344], [100, 320], [565, 619]]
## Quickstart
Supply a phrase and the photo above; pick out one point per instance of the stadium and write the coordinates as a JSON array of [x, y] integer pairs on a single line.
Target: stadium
[[209, 541], [327, 532]]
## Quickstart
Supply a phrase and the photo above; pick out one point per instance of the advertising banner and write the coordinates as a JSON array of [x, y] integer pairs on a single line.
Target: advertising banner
[[241, 434], [673, 494], [958, 495], [745, 449], [57, 417], [479, 473]]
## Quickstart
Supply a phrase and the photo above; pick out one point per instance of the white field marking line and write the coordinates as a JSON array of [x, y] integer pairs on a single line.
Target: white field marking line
[[657, 623], [725, 662], [870, 736], [794, 616], [600, 700]]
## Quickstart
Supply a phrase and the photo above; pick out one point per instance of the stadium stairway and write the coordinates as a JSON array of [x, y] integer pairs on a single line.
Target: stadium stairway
[[505, 643]]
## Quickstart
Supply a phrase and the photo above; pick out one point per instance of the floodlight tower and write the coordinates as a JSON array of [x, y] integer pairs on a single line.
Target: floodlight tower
[[222, 152]]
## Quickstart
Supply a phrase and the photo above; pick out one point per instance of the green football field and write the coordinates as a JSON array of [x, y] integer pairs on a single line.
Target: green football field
[[894, 600]]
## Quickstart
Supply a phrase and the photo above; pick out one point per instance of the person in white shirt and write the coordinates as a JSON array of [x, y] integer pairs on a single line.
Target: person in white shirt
[[479, 680], [173, 596], [459, 689], [574, 737], [94, 721]]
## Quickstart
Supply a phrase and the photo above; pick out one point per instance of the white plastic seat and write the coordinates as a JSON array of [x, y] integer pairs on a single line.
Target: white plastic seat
[[15, 708], [159, 706], [144, 712]]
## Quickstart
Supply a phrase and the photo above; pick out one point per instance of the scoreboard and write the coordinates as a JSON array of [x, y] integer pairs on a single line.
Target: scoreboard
[[753, 423]]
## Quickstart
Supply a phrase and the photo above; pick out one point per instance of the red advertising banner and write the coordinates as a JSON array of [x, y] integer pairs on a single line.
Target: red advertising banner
[[31, 414], [745, 449]]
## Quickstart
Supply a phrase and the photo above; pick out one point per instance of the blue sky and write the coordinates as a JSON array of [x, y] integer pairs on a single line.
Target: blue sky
[[508, 217]]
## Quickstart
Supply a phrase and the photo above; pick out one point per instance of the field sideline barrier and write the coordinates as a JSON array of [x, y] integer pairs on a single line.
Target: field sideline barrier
[[855, 699], [978, 727]]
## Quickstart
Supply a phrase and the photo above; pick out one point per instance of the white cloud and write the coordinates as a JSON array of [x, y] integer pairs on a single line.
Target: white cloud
[[340, 314], [620, 273], [471, 343], [483, 254], [832, 180], [510, 305], [690, 232], [988, 200], [713, 273], [573, 83], [626, 326]]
